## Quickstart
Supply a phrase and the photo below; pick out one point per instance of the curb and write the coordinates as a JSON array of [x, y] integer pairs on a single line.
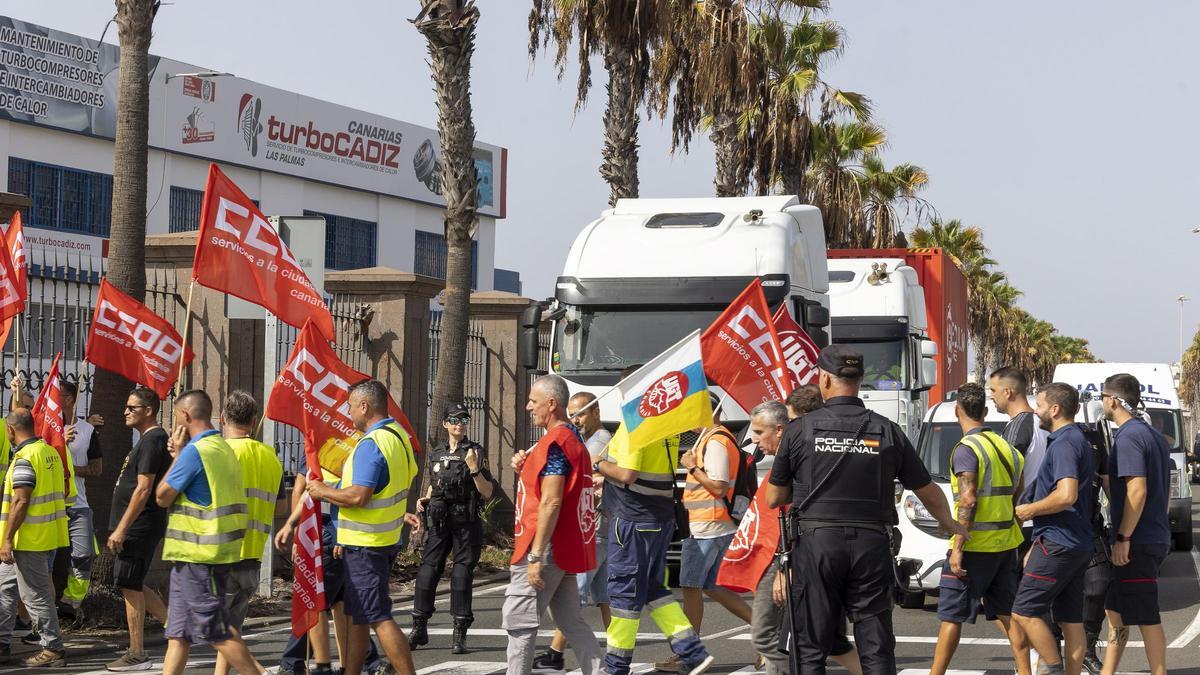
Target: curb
[[267, 622]]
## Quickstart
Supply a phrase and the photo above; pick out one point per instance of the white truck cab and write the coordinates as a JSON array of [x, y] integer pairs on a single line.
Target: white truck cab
[[878, 307], [649, 271], [1163, 412]]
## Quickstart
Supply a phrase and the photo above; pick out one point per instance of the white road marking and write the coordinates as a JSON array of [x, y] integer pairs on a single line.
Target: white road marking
[[642, 638], [486, 590], [1193, 628], [488, 667], [156, 665], [918, 671], [725, 633]]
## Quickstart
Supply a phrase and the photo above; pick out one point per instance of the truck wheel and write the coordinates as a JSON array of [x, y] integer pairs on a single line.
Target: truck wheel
[[910, 599], [1183, 540]]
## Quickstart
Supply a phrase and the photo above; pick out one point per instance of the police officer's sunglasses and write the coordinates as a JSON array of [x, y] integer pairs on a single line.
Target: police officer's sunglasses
[[458, 419]]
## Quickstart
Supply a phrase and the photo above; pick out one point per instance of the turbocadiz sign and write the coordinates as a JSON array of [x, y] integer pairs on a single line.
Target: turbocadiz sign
[[68, 82]]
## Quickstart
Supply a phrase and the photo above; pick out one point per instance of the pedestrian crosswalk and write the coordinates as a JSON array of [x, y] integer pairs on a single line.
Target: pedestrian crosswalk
[[494, 667]]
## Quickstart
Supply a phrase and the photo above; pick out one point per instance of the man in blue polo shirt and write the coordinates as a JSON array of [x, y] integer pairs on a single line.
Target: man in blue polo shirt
[[1059, 504], [1139, 469]]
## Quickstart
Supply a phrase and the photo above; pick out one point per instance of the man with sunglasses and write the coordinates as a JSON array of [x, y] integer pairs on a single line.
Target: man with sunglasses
[[138, 524], [459, 484]]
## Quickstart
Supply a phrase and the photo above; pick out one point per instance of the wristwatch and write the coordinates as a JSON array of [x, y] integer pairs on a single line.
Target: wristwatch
[[476, 472], [535, 557], [595, 467], [1122, 538]]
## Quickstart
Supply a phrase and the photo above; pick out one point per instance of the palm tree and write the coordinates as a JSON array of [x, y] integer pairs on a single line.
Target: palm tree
[[833, 181], [127, 238], [882, 190], [623, 33], [449, 28], [1189, 375]]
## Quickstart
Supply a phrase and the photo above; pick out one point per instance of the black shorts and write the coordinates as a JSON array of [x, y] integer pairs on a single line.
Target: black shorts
[[1133, 587], [991, 577], [1053, 580], [134, 560]]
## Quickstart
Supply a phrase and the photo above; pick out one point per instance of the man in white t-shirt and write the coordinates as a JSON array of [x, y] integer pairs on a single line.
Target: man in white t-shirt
[[87, 458]]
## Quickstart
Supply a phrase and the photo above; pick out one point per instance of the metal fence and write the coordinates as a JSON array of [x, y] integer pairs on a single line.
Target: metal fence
[[348, 315], [543, 368], [58, 318], [475, 380]]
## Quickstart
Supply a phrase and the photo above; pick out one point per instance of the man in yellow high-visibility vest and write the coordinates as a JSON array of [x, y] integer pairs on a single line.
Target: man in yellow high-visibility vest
[[261, 475], [33, 519], [372, 503], [206, 523]]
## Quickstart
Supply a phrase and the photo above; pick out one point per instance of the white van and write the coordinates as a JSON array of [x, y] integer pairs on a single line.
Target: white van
[[1161, 402]]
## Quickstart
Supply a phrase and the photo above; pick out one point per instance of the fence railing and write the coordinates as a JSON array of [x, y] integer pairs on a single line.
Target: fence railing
[[475, 380]]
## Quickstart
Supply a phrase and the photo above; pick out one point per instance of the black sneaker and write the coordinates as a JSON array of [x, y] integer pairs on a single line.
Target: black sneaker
[[1092, 664], [549, 662], [32, 639]]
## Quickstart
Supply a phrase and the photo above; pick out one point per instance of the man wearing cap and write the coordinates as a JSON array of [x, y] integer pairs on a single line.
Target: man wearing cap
[[459, 484], [837, 465]]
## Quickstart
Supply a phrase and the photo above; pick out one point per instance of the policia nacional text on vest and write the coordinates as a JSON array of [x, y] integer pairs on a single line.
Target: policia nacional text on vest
[[995, 527]]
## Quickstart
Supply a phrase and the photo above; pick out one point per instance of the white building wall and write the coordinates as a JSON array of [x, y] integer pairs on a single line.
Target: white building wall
[[397, 219]]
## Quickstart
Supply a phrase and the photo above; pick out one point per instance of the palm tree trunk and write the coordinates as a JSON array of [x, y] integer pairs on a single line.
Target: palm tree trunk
[[733, 173], [980, 358], [127, 238], [626, 84], [449, 27]]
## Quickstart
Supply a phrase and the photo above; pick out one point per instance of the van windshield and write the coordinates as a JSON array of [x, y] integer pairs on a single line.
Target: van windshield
[[937, 442], [590, 339], [1167, 423]]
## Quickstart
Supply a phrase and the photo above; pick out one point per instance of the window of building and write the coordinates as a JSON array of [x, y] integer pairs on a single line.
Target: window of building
[[350, 243], [184, 211], [62, 198], [430, 257]]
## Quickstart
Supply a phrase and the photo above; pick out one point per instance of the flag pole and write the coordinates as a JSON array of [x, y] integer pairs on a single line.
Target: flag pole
[[187, 324]]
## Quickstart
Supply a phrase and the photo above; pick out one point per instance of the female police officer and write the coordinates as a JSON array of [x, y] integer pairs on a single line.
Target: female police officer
[[459, 484]]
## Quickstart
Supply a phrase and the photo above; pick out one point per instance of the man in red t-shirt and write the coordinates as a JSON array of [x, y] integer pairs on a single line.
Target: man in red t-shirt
[[555, 534]]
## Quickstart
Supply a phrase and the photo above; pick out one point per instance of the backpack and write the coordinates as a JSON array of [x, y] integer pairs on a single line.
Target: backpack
[[744, 485]]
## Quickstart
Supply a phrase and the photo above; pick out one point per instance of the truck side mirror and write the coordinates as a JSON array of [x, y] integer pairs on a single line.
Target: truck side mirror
[[527, 349], [928, 348], [929, 371], [816, 315]]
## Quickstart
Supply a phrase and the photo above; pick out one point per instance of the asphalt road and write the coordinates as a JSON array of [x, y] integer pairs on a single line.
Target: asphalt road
[[983, 650]]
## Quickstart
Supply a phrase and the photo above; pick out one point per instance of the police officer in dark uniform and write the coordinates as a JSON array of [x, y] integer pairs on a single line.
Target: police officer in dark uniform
[[837, 465], [459, 484]]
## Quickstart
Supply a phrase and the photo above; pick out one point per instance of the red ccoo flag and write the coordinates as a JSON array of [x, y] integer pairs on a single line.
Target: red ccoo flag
[[312, 394], [134, 342], [741, 352], [308, 574], [48, 420], [799, 351], [240, 253], [14, 288]]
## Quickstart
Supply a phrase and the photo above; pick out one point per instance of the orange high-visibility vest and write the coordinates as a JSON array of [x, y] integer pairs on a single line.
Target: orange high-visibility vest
[[701, 505]]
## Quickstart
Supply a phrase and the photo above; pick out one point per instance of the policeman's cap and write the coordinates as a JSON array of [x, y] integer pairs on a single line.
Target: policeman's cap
[[841, 360], [457, 410]]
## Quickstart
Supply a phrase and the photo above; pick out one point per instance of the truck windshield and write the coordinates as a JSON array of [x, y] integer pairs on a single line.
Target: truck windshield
[[937, 441], [1167, 423], [884, 364], [610, 339]]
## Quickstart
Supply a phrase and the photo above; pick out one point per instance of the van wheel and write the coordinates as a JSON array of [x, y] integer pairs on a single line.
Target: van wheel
[[910, 599], [1183, 540]]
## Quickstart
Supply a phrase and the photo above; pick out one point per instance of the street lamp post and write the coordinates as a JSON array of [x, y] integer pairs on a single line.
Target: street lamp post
[[1181, 299]]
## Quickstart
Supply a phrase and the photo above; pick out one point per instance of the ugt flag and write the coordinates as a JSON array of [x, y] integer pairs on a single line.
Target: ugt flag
[[14, 288], [742, 353], [753, 547], [312, 393], [134, 342], [240, 253], [48, 420], [799, 351], [667, 396]]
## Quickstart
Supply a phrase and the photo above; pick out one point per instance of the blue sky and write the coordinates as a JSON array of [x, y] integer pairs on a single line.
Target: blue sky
[[1063, 129]]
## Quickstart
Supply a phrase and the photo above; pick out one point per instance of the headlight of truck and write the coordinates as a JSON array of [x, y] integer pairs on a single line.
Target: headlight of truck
[[916, 511], [1180, 487]]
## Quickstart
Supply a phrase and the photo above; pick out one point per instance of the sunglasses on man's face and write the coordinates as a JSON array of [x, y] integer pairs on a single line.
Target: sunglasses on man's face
[[135, 408], [458, 419]]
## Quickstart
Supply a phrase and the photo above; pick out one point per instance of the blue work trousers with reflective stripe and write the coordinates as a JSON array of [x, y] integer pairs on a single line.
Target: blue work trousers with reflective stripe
[[637, 578]]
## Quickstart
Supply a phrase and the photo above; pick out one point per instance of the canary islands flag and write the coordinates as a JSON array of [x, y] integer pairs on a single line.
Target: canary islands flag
[[667, 396]]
